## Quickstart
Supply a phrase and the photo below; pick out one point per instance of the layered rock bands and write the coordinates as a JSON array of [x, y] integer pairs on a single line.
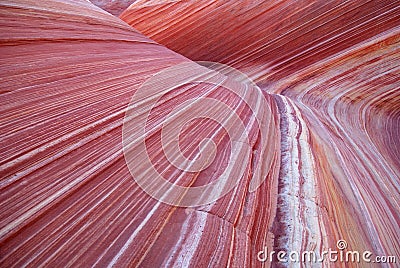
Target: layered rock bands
[[316, 149]]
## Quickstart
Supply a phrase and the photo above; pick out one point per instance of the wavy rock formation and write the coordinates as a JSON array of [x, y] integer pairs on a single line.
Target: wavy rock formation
[[323, 143], [333, 69], [268, 39], [68, 73]]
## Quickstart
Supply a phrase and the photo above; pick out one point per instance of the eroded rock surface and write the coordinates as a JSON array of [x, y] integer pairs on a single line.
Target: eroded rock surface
[[329, 162]]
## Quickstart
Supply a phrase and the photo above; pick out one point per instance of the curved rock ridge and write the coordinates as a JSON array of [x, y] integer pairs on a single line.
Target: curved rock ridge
[[68, 72], [351, 102], [334, 69], [269, 40], [329, 162]]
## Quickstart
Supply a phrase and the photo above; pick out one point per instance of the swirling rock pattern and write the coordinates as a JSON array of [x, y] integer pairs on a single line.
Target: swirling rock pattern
[[329, 72], [334, 69], [68, 72]]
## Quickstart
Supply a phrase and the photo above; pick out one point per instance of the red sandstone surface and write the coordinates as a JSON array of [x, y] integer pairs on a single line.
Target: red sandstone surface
[[326, 150]]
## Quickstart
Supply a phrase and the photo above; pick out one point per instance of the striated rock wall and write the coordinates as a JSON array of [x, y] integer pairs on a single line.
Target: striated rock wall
[[334, 68], [68, 73], [326, 149], [267, 39]]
